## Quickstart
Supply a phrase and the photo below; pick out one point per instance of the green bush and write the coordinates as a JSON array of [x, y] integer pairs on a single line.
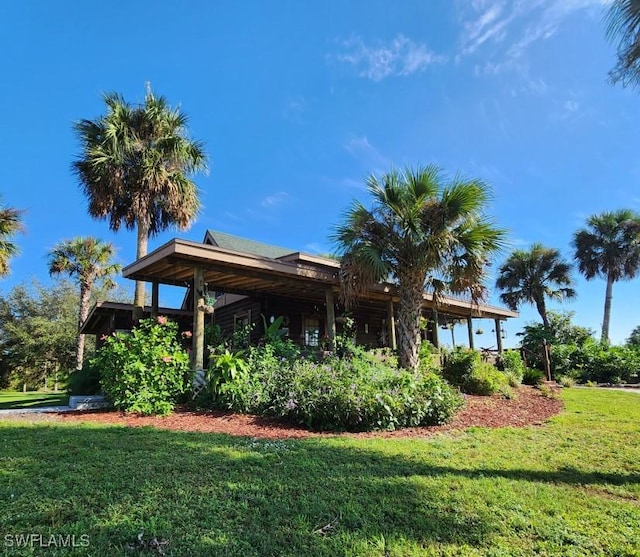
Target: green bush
[[144, 371], [361, 392], [85, 381], [510, 362], [532, 376], [485, 380], [464, 369]]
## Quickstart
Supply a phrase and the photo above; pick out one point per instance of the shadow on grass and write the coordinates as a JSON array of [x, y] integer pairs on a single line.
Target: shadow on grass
[[214, 494], [35, 401]]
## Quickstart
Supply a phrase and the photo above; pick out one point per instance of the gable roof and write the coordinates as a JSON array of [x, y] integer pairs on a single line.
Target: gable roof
[[244, 245]]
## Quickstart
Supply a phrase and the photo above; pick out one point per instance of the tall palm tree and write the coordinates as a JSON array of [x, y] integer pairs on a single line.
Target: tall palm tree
[[609, 247], [134, 168], [423, 232], [88, 260], [531, 276], [623, 25], [10, 224]]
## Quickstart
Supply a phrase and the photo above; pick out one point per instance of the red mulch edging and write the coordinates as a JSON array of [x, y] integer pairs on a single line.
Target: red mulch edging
[[529, 407]]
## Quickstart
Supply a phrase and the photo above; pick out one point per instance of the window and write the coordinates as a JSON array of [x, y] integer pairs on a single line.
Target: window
[[311, 331]]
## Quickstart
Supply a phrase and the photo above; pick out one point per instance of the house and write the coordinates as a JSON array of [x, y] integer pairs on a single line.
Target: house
[[249, 279]]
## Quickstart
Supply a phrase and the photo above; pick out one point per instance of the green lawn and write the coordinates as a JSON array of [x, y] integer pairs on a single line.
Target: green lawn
[[35, 399], [571, 487]]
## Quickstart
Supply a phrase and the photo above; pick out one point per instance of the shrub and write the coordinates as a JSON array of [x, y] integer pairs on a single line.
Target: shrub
[[464, 369], [510, 362], [144, 371], [357, 393], [85, 381], [532, 376]]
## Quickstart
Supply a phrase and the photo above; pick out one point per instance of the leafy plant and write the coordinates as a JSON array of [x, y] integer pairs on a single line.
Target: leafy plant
[[144, 371], [224, 369]]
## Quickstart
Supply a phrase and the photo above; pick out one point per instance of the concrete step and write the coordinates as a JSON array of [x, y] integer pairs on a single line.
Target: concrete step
[[88, 402]]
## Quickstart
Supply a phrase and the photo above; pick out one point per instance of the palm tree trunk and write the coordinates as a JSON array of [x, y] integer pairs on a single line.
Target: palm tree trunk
[[143, 241], [604, 338], [85, 295], [411, 288], [542, 310]]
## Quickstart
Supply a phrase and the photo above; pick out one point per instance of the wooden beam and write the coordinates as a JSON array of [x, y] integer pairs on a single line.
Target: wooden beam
[[391, 322], [331, 317], [436, 332], [154, 298], [197, 352], [470, 332], [498, 327]]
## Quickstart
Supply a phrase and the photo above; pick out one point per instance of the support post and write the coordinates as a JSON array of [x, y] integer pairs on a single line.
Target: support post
[[498, 328], [436, 332], [155, 288], [331, 318], [470, 331], [391, 322], [197, 352]]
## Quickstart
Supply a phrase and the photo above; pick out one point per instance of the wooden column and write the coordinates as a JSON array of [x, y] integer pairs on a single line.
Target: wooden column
[[436, 332], [391, 323], [331, 317], [197, 352], [498, 328], [470, 331], [155, 287]]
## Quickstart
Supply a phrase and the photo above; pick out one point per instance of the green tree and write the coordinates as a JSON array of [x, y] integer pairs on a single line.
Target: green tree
[[609, 247], [634, 337], [423, 232], [531, 276], [10, 224], [37, 332], [134, 168], [88, 261], [623, 25]]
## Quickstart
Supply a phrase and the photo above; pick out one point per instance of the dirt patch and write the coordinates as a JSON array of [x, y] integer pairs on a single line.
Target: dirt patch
[[528, 407]]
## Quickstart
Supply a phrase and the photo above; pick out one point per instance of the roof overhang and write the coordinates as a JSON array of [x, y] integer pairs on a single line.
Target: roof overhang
[[298, 276]]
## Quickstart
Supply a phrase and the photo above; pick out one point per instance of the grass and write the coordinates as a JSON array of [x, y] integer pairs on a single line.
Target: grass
[[571, 487], [32, 399]]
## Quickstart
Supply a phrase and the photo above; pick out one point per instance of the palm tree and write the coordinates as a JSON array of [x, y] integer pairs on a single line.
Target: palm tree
[[623, 24], [531, 276], [134, 168], [89, 261], [423, 232], [10, 224], [609, 248]]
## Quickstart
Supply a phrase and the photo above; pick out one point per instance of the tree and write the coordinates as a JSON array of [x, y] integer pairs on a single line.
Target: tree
[[88, 260], [134, 168], [623, 24], [10, 224], [423, 232], [37, 332], [634, 337], [609, 247], [531, 276]]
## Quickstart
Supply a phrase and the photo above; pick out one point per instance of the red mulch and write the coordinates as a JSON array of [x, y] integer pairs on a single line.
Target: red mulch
[[529, 407]]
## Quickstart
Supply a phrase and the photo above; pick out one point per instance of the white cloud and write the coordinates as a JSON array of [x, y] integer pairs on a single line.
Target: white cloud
[[510, 27], [367, 154], [275, 199], [399, 57]]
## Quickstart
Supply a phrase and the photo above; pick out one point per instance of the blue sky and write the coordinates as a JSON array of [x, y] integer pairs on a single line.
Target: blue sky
[[297, 102]]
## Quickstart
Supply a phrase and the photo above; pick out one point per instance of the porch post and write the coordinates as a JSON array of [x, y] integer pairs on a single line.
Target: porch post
[[154, 298], [498, 329], [436, 332], [470, 331], [197, 353], [331, 317], [391, 320]]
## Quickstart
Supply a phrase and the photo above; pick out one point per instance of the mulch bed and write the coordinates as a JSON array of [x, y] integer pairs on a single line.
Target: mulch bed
[[529, 407]]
